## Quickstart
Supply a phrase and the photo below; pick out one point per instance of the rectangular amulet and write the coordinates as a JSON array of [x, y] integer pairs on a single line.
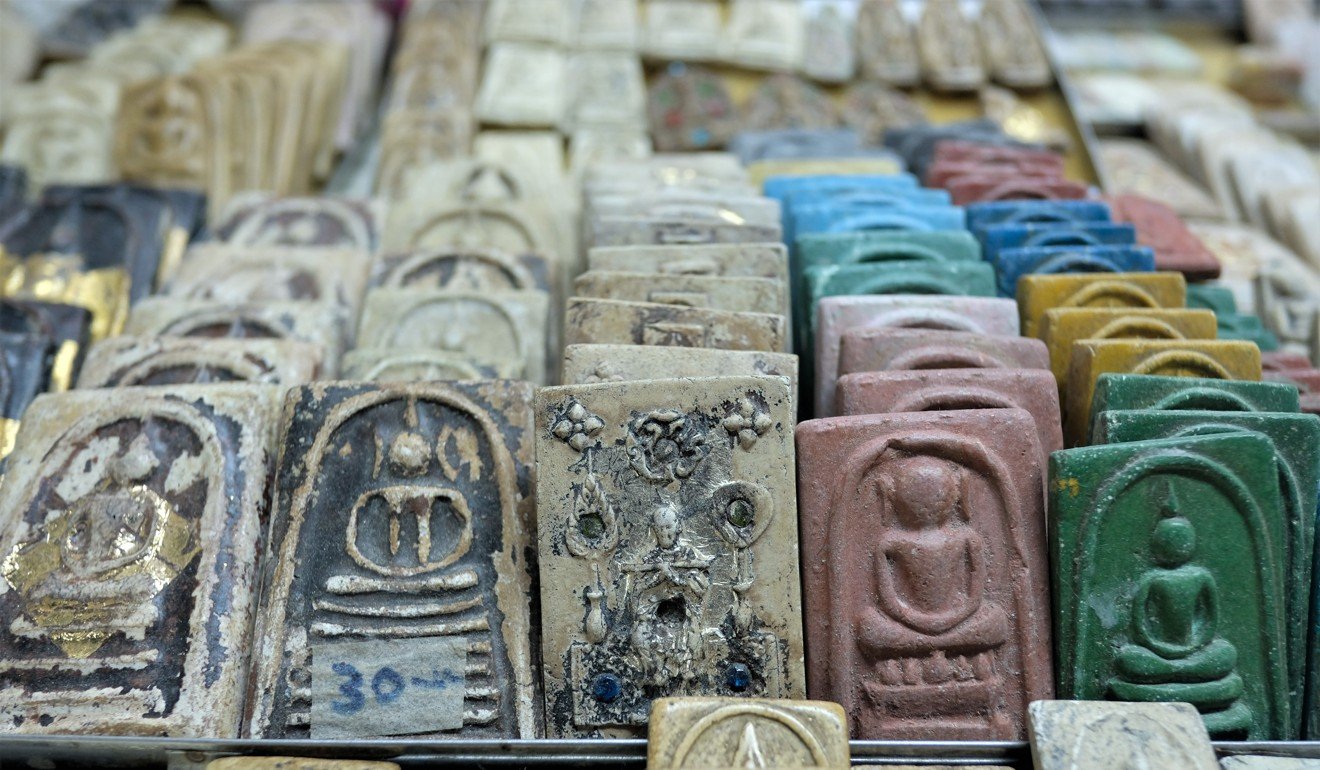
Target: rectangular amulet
[[668, 547], [397, 582], [131, 533], [1136, 527], [925, 572]]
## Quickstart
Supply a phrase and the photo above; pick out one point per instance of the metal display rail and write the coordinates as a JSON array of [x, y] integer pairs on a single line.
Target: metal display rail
[[45, 751]]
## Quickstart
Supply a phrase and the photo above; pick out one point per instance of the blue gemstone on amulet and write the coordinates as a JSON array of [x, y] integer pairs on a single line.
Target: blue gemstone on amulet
[[606, 688], [738, 677]]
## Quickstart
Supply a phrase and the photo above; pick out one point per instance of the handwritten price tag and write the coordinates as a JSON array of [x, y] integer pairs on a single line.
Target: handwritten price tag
[[399, 687]]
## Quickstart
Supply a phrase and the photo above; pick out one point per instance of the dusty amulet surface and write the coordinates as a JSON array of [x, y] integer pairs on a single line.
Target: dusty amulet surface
[[759, 260], [585, 364], [396, 589], [736, 732], [316, 322], [920, 390], [127, 361], [835, 315], [1072, 735], [925, 572], [131, 530], [668, 547], [501, 327], [1168, 573], [271, 274], [258, 219], [607, 321]]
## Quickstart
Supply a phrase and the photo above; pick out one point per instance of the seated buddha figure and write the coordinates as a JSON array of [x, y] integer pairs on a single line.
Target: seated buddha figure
[[1174, 653], [117, 547], [930, 622], [668, 588]]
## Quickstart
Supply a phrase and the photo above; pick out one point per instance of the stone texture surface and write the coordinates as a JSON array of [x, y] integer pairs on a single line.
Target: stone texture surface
[[1011, 264], [945, 767], [321, 324], [740, 294], [976, 149], [835, 315], [1070, 735], [952, 389], [950, 55], [586, 364], [1061, 327], [407, 512], [606, 321], [271, 274], [1212, 359], [669, 201], [1014, 52], [132, 525], [861, 212], [781, 100], [950, 278], [761, 260], [1243, 252], [880, 165], [1135, 167], [1310, 403], [1296, 442], [420, 221], [872, 246], [1307, 380], [1168, 579], [1146, 391], [735, 732], [524, 85], [668, 547], [983, 215], [1276, 360], [886, 47], [875, 350], [422, 364], [925, 572], [1022, 235], [482, 326], [648, 231], [1287, 298], [259, 219], [983, 188], [942, 173], [1038, 293], [688, 109], [1314, 351], [126, 361], [464, 270], [1160, 228]]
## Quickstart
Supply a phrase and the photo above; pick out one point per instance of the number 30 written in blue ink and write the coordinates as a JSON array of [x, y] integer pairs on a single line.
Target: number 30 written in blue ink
[[387, 685]]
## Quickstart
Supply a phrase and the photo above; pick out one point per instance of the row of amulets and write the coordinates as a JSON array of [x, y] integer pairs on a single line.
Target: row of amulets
[[397, 561], [666, 519], [922, 661], [418, 499], [934, 624]]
